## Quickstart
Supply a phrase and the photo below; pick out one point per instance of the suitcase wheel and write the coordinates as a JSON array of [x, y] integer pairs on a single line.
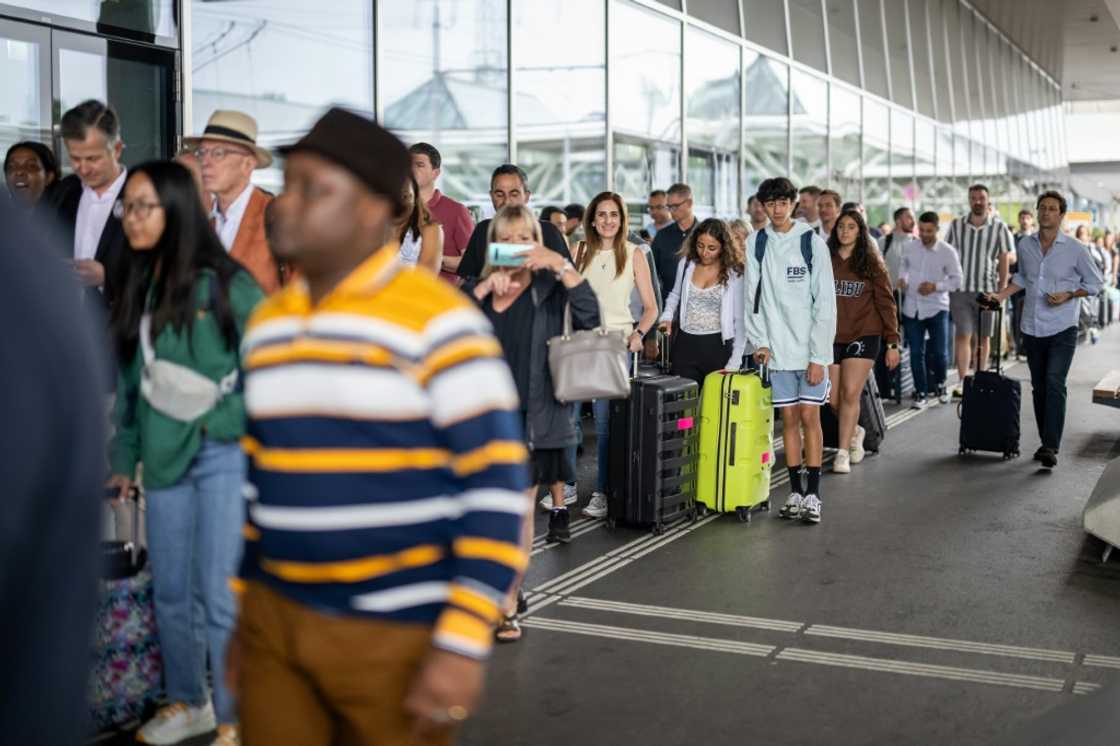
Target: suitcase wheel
[[701, 510], [743, 514], [693, 515], [764, 506], [963, 451], [658, 529], [611, 523]]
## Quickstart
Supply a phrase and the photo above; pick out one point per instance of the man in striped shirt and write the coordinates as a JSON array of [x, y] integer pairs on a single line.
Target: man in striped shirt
[[387, 469], [984, 243]]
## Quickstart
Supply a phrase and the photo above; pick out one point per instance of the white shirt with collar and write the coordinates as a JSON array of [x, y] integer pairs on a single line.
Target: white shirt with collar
[[93, 213], [229, 224]]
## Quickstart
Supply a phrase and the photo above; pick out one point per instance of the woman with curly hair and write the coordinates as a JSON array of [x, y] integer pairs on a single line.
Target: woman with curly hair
[[865, 315], [707, 304]]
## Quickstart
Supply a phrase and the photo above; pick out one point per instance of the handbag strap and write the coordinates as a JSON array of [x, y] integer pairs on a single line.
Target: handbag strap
[[567, 319]]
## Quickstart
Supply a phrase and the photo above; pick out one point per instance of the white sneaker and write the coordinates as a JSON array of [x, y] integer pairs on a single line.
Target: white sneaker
[[571, 495], [792, 508], [177, 722], [1094, 335], [597, 508], [919, 403], [227, 736], [843, 463], [811, 509], [857, 452], [944, 396]]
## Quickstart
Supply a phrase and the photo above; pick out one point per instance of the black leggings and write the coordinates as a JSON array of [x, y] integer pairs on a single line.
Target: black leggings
[[697, 355]]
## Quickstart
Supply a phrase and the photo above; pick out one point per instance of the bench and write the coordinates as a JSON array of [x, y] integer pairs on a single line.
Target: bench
[[1107, 390]]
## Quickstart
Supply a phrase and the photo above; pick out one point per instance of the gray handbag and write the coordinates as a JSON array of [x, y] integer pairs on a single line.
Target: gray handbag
[[589, 364]]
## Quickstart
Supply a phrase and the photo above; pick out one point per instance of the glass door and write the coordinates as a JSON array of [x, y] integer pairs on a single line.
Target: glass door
[[25, 93], [138, 81]]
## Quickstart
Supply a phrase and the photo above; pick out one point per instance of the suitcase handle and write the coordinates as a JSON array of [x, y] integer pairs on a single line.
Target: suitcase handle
[[983, 305], [132, 546]]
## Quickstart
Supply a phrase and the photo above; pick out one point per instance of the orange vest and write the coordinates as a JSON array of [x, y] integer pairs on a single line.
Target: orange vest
[[250, 248]]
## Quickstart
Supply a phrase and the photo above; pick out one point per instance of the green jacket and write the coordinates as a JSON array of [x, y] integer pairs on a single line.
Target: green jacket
[[167, 446]]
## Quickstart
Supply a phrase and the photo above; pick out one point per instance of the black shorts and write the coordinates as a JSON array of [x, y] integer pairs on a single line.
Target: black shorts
[[864, 348]]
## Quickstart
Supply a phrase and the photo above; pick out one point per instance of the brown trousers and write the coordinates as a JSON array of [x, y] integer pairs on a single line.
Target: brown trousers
[[311, 679]]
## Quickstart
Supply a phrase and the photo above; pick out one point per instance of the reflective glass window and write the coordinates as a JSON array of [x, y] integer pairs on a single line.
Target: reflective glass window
[[806, 26], [845, 123], [765, 24], [712, 95], [561, 113], [144, 17], [281, 64], [874, 56], [876, 160], [943, 200], [809, 125], [766, 124], [925, 162], [898, 53], [902, 158], [722, 14], [842, 40]]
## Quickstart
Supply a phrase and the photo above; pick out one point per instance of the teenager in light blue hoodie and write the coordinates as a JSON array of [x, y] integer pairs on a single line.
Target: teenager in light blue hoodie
[[791, 322]]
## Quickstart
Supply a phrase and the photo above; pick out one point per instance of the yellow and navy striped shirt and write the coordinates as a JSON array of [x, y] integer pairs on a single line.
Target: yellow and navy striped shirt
[[387, 462]]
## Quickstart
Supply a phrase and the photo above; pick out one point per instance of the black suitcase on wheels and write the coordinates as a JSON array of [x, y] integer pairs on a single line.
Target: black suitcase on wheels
[[872, 418], [989, 409], [654, 448]]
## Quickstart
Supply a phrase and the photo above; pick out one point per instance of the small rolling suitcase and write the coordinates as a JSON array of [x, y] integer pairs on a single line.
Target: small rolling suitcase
[[127, 669], [652, 466], [736, 447], [872, 419], [894, 384], [989, 409]]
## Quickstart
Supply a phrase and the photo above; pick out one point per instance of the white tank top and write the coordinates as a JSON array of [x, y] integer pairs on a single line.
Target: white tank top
[[410, 249], [613, 292]]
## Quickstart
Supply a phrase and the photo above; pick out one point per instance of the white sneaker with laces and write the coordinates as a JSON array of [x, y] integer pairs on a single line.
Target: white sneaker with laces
[[177, 722], [944, 396], [792, 508], [857, 452], [571, 495], [919, 403], [811, 509], [843, 463], [597, 508]]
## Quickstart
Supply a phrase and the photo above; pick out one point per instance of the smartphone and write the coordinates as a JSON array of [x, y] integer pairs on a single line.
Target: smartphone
[[506, 254]]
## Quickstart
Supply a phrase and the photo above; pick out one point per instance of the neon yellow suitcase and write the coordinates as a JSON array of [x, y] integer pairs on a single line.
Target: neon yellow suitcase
[[736, 443]]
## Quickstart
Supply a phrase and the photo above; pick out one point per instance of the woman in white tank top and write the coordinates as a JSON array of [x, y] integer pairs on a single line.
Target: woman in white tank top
[[613, 267], [421, 240]]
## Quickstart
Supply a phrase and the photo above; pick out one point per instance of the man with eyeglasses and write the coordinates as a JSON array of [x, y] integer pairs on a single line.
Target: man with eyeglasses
[[669, 239], [228, 153], [658, 210], [92, 134]]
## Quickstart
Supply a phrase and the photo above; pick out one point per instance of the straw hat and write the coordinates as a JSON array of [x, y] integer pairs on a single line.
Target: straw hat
[[233, 127]]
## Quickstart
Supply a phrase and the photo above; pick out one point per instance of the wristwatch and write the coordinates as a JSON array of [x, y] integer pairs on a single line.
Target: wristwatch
[[567, 267], [892, 345]]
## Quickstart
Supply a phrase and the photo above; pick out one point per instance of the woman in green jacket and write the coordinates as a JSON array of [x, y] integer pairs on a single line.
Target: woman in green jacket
[[180, 413]]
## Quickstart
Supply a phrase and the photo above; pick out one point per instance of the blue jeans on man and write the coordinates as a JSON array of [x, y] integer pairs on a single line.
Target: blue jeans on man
[[1049, 359], [928, 360]]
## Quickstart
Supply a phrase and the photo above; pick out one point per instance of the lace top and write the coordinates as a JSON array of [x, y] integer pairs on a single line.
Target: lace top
[[702, 316]]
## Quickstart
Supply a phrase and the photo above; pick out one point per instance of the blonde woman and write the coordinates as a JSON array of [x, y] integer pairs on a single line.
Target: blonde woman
[[614, 267], [525, 306]]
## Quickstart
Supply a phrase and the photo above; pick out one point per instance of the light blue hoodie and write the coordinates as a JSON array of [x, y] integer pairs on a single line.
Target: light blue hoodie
[[796, 320]]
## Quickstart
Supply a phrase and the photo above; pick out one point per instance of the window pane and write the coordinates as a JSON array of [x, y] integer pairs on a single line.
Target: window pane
[[282, 63], [876, 161], [844, 126], [561, 120], [722, 14], [902, 158], [766, 125], [923, 77], [925, 162], [24, 111], [155, 17], [871, 37], [765, 24], [712, 95], [944, 202], [645, 99], [898, 54], [809, 124], [842, 40], [807, 28]]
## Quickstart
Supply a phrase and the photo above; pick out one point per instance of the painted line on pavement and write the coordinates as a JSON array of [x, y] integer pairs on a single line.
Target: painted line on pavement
[[665, 612], [657, 638], [1101, 661], [937, 643]]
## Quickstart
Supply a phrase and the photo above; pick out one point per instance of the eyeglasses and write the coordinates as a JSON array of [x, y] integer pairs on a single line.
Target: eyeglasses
[[218, 154], [140, 209], [677, 206]]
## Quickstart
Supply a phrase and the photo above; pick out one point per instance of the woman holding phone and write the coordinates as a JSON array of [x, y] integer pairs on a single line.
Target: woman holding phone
[[614, 267], [524, 301], [707, 303]]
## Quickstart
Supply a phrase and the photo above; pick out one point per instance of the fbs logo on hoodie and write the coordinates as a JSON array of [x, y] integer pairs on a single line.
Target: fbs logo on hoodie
[[797, 274]]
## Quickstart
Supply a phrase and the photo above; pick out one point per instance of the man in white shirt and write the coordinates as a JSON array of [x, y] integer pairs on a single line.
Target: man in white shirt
[[91, 132], [807, 206]]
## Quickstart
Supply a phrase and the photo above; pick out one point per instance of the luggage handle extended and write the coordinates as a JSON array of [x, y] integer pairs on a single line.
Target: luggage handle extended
[[663, 355], [133, 546], [982, 306]]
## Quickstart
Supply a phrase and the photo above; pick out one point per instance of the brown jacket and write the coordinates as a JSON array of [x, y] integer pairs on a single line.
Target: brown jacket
[[251, 247], [864, 306]]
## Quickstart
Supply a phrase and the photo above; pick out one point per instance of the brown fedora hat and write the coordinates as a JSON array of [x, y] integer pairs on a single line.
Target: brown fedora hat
[[233, 127]]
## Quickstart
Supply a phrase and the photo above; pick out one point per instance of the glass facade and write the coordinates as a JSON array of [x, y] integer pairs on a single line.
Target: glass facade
[[890, 102]]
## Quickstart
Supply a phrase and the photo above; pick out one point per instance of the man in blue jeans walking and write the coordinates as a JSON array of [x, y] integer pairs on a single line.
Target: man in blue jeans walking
[[930, 270], [1056, 271]]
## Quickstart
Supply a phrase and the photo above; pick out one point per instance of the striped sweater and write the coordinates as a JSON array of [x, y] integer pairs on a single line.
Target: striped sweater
[[387, 462], [980, 250]]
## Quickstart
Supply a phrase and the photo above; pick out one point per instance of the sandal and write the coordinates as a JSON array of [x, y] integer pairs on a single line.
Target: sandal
[[508, 630]]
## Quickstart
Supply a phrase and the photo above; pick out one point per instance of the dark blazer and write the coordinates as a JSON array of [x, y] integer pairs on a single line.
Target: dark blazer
[[112, 251]]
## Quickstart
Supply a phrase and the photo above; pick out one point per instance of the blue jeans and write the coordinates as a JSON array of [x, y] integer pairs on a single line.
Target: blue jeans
[[194, 546], [601, 409], [937, 352], [1049, 359]]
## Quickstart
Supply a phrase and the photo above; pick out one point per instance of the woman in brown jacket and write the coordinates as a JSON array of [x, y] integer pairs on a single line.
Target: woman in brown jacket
[[865, 316]]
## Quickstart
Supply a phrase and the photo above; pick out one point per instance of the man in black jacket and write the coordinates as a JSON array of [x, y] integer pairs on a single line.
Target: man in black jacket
[[508, 186], [86, 199], [668, 241]]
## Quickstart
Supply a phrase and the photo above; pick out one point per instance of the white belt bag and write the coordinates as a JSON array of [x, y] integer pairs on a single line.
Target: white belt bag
[[175, 390]]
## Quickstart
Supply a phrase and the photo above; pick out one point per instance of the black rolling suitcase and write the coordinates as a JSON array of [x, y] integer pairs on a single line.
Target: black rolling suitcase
[[872, 419], [894, 384], [654, 437], [989, 409]]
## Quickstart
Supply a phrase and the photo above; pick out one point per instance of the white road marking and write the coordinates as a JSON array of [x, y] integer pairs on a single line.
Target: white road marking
[[665, 612], [657, 638], [937, 643], [1101, 661]]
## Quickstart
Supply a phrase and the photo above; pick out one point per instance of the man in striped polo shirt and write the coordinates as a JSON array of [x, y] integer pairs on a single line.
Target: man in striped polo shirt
[[387, 469], [984, 243]]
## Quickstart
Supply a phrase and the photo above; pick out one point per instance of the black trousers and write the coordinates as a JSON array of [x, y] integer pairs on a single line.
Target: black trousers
[[1049, 359], [697, 355]]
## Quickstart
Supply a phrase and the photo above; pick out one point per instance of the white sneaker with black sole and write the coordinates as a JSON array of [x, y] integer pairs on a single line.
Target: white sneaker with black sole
[[857, 452], [178, 722], [792, 508], [597, 508], [571, 496], [811, 509]]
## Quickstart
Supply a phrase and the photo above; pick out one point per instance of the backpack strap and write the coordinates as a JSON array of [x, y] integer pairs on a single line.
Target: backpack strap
[[807, 249], [759, 253]]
